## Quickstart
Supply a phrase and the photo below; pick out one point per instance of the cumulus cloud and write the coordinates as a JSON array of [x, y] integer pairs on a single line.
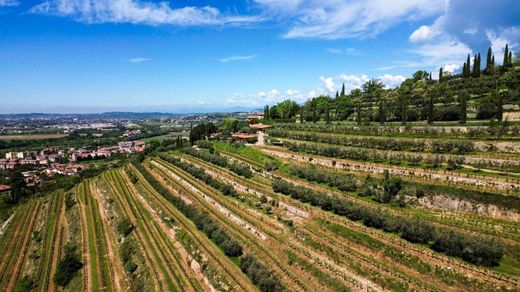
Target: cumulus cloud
[[329, 84], [9, 3], [139, 60], [237, 58], [291, 92], [451, 68], [499, 40], [138, 12], [335, 19], [423, 33], [392, 81]]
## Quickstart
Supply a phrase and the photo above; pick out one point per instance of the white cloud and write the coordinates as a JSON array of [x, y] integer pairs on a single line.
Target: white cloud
[[139, 60], [451, 68], [336, 19], [138, 12], [291, 92], [329, 84], [9, 3], [423, 33], [345, 51], [392, 81], [499, 40], [352, 81], [237, 58]]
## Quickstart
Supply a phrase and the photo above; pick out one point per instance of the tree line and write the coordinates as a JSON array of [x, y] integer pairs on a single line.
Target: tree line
[[438, 146], [417, 98], [478, 250]]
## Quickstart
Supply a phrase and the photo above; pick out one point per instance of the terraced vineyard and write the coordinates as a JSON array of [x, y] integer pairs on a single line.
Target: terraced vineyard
[[272, 218]]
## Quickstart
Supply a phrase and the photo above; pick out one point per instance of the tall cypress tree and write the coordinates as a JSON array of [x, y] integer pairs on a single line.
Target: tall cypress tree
[[505, 64], [337, 95], [464, 70], [500, 106], [475, 66], [431, 95], [510, 59], [488, 61], [463, 107], [382, 117], [492, 65], [440, 75], [479, 67], [358, 112], [468, 68], [301, 114], [343, 90]]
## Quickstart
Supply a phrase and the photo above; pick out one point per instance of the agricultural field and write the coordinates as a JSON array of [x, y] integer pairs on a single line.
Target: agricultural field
[[318, 211], [32, 136]]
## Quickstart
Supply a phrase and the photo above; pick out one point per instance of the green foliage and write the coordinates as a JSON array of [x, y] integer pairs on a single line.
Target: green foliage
[[202, 131], [68, 266], [125, 226], [482, 250], [260, 275], [25, 284], [202, 220]]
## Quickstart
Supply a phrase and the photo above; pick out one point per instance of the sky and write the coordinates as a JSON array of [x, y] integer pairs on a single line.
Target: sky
[[64, 56]]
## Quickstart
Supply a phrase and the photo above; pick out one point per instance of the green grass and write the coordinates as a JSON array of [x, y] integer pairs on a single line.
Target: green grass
[[250, 154]]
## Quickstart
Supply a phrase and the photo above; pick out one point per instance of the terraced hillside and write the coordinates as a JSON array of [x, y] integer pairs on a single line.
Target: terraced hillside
[[325, 211]]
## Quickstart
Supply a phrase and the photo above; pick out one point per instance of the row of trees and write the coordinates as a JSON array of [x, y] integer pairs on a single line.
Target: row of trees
[[492, 131], [200, 174], [474, 249], [432, 161], [260, 275], [202, 220], [395, 144], [222, 161], [417, 98]]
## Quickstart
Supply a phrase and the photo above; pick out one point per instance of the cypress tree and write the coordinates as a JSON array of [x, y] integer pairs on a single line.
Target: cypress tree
[[382, 117], [488, 61], [327, 114], [463, 108], [475, 66], [478, 63], [440, 75], [468, 69], [505, 64], [431, 95], [492, 65], [337, 95], [358, 112], [301, 114], [500, 106], [464, 70], [343, 90], [510, 59]]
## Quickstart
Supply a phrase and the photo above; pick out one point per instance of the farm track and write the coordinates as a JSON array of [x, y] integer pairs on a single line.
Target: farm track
[[14, 262], [215, 254], [471, 182], [428, 256], [175, 276], [323, 239], [274, 241]]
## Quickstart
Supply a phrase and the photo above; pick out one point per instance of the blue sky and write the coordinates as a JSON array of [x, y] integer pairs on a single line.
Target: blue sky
[[143, 55]]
